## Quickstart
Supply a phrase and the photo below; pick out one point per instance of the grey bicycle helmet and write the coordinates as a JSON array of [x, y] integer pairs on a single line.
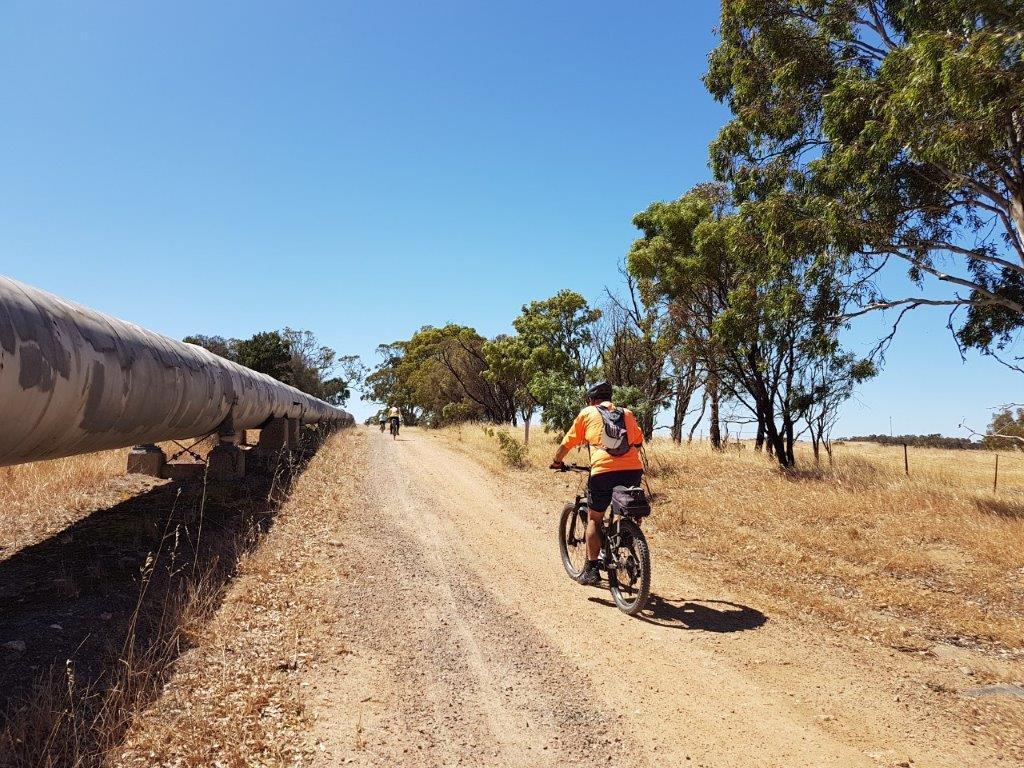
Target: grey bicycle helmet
[[602, 390]]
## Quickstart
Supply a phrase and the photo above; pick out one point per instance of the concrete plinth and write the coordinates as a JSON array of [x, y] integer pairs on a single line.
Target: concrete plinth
[[146, 459], [226, 461], [274, 435], [293, 433]]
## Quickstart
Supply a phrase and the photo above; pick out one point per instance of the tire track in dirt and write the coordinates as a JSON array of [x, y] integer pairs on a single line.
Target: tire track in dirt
[[471, 647], [439, 672]]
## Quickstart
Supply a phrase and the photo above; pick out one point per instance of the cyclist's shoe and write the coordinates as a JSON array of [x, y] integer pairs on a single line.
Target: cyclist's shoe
[[590, 576]]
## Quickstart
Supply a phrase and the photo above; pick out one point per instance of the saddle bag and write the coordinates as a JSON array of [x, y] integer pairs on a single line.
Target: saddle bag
[[630, 501]]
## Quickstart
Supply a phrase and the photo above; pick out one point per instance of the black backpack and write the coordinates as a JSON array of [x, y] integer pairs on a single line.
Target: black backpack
[[615, 436]]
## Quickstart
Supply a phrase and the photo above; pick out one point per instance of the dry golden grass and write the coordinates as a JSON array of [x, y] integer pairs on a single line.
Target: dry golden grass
[[68, 721], [42, 497], [933, 558], [236, 698], [968, 471], [231, 695]]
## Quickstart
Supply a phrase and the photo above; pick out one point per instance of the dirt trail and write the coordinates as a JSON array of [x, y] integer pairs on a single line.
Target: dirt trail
[[466, 644]]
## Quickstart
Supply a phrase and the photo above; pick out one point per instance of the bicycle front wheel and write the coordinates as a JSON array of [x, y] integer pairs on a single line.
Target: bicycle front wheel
[[630, 581], [572, 541]]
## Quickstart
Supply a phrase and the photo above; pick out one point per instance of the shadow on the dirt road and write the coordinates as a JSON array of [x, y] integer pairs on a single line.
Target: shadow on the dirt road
[[703, 615]]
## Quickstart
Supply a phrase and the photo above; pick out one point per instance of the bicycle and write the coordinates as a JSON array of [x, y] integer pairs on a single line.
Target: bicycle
[[394, 429], [625, 555]]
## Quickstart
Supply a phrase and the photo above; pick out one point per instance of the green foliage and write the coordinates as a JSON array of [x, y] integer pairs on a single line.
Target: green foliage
[[451, 374], [513, 453], [919, 441], [558, 335], [456, 413], [266, 352], [555, 348], [751, 300], [881, 130], [220, 346], [562, 399], [335, 391], [388, 382], [510, 363], [436, 369], [824, 384], [639, 336], [635, 400], [294, 357], [1006, 432]]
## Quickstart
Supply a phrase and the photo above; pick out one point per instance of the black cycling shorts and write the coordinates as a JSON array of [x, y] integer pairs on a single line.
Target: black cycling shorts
[[599, 487]]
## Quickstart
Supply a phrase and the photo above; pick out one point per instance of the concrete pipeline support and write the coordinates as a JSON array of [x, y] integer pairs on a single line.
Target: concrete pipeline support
[[73, 380]]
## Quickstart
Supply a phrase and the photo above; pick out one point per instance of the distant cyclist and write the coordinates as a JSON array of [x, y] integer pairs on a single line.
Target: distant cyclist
[[614, 438], [383, 419], [395, 420]]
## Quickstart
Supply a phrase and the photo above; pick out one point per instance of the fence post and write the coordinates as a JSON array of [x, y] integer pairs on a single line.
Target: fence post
[[995, 479], [906, 461]]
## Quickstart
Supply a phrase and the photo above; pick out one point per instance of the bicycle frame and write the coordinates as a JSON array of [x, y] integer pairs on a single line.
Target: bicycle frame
[[607, 526], [624, 552]]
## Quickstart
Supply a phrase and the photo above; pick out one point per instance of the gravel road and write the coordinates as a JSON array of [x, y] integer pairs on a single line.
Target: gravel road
[[466, 644]]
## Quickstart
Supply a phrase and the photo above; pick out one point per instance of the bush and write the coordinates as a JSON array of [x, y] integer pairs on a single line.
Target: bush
[[512, 451]]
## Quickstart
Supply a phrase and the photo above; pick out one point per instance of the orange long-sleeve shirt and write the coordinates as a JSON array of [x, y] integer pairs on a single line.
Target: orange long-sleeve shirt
[[587, 430]]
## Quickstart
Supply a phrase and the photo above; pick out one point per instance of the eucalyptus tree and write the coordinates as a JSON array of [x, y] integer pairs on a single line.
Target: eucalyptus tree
[[753, 301], [557, 337], [900, 124], [669, 266], [509, 362], [636, 341], [438, 375]]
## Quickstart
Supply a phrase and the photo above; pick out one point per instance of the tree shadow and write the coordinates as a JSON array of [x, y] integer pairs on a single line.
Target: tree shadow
[[114, 585], [697, 614]]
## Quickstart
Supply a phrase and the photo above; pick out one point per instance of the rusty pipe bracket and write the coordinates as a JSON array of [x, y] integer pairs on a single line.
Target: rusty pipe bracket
[[189, 451]]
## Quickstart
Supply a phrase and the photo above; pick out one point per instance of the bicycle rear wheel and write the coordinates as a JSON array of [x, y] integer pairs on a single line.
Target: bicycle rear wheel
[[572, 541], [630, 582]]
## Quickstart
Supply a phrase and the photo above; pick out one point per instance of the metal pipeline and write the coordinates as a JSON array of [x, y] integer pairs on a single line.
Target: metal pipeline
[[73, 380]]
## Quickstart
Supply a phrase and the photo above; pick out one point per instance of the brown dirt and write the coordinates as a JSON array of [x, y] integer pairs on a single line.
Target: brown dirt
[[470, 646]]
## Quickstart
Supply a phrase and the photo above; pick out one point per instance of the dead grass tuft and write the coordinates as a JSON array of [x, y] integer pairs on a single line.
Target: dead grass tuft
[[183, 683], [236, 698], [43, 497]]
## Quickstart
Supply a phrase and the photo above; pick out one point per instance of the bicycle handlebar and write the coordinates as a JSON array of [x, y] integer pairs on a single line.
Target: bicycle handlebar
[[572, 468]]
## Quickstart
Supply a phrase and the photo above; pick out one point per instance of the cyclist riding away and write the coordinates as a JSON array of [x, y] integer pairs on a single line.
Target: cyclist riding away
[[383, 421], [394, 419], [614, 438]]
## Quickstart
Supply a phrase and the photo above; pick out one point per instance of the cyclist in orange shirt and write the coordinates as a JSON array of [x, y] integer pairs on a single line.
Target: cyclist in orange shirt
[[614, 438]]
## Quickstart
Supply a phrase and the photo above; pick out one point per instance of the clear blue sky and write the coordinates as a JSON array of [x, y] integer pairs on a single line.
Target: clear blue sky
[[362, 169]]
